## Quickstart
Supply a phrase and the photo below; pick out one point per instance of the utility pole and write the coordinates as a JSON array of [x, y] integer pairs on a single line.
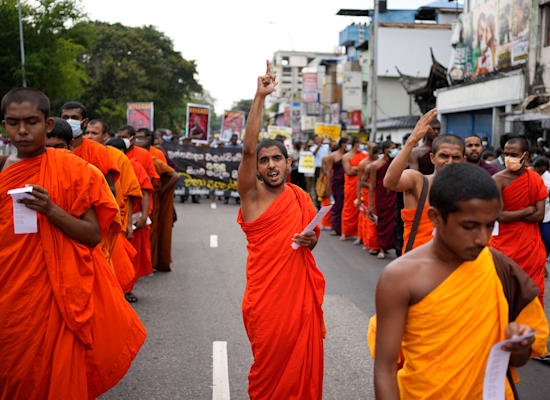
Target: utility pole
[[374, 70], [22, 45]]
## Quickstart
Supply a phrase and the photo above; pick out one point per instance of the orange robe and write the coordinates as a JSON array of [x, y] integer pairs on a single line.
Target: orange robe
[[521, 241], [141, 239], [145, 159], [282, 302], [370, 237], [445, 354], [350, 213], [158, 154], [162, 218], [63, 315], [425, 227], [326, 221]]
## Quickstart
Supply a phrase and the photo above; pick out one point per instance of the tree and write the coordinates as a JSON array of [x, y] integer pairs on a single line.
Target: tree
[[242, 105]]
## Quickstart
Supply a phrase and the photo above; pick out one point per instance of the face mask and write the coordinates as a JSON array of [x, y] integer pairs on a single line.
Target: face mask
[[75, 127], [381, 155], [167, 138], [514, 163], [348, 147], [361, 147], [484, 144], [393, 153]]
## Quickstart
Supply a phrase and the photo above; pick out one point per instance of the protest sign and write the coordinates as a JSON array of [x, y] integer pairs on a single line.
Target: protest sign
[[306, 164], [273, 131], [198, 121], [331, 130], [140, 115], [232, 124], [205, 170]]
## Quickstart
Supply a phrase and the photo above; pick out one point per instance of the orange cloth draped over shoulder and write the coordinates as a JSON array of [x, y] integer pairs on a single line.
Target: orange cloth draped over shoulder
[[350, 213], [141, 239], [158, 154], [282, 302], [425, 227], [521, 241], [326, 222], [145, 159], [67, 332], [439, 327], [370, 237], [162, 218]]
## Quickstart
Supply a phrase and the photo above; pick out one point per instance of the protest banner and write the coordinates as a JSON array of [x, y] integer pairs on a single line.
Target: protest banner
[[273, 131], [331, 130], [140, 115], [198, 121], [232, 124], [205, 170], [306, 164]]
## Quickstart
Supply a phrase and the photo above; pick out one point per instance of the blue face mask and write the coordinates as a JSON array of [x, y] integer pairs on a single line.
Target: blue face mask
[[381, 155], [393, 153], [167, 138], [76, 127]]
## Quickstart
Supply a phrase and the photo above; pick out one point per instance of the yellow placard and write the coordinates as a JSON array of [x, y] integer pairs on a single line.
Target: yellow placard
[[331, 130], [306, 165], [273, 131]]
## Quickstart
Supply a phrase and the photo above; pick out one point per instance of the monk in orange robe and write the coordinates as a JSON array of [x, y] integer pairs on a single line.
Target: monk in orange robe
[[284, 289], [427, 299], [446, 149], [158, 154], [523, 194], [366, 226], [350, 212], [137, 153], [326, 222], [66, 332]]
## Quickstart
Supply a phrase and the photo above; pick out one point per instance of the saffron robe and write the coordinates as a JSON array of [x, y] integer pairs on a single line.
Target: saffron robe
[[97, 155], [370, 238], [385, 210], [162, 218], [425, 227], [158, 154], [337, 187], [282, 302], [449, 333], [145, 159], [141, 239], [521, 241], [350, 213], [326, 222], [64, 312]]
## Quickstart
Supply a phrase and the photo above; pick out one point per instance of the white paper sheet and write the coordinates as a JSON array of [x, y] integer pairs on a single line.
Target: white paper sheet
[[495, 372], [137, 216], [24, 219], [314, 222], [495, 229]]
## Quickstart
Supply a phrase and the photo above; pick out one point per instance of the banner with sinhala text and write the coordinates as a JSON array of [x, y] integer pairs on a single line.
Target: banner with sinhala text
[[205, 170]]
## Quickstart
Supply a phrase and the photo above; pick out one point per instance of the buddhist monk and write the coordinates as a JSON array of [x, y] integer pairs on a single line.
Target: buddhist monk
[[523, 194], [326, 223], [368, 227], [151, 148], [66, 331], [350, 213], [446, 149], [60, 136], [381, 208], [137, 153], [445, 304], [420, 156], [284, 289], [336, 178], [163, 206]]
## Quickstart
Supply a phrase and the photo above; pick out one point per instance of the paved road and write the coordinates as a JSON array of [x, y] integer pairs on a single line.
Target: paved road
[[199, 302]]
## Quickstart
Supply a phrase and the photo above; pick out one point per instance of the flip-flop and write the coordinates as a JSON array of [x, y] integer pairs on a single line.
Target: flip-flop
[[374, 252], [381, 256], [544, 359], [130, 297]]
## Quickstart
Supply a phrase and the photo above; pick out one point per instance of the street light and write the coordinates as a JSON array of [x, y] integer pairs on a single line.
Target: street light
[[22, 45]]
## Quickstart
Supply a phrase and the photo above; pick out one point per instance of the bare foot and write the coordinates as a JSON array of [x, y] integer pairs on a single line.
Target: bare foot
[[333, 233], [357, 242], [343, 238], [381, 255]]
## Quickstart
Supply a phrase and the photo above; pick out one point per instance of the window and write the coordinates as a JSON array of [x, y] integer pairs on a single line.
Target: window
[[287, 70], [285, 61]]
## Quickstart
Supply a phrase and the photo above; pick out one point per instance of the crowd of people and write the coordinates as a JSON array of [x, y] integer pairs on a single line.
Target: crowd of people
[[104, 212]]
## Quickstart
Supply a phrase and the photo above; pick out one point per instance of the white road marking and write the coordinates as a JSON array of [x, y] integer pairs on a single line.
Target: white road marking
[[220, 371], [213, 205], [213, 240]]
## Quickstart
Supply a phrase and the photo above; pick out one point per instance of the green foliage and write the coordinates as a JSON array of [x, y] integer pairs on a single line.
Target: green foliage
[[242, 105]]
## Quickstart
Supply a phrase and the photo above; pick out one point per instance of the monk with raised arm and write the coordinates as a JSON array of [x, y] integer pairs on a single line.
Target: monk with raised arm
[[335, 173], [446, 149], [350, 212], [366, 226], [445, 304], [66, 331], [284, 289], [420, 156], [523, 193]]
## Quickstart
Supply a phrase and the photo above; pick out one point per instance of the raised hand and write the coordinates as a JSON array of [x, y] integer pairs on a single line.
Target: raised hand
[[423, 126], [267, 82]]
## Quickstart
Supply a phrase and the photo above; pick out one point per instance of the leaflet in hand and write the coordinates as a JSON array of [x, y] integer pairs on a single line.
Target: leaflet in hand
[[314, 222], [24, 219]]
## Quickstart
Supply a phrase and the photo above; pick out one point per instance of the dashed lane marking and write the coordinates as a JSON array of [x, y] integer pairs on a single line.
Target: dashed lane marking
[[213, 205], [213, 240], [220, 371]]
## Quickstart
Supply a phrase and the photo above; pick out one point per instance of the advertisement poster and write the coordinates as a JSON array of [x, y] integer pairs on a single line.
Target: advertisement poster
[[198, 121], [140, 115], [493, 36], [352, 91], [233, 124], [310, 92], [296, 117], [274, 131], [355, 122], [205, 170]]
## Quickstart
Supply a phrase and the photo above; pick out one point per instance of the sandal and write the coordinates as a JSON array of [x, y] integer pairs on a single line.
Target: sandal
[[130, 297], [381, 255]]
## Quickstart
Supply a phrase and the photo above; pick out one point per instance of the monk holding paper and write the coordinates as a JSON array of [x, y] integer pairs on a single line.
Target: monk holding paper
[[445, 304], [284, 289], [523, 193]]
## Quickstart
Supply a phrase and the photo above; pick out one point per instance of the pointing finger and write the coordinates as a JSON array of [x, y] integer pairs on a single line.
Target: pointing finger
[[268, 72]]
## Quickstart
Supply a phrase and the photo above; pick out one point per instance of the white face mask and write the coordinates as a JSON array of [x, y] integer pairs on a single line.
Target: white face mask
[[484, 144], [75, 126], [348, 147], [381, 155], [361, 147]]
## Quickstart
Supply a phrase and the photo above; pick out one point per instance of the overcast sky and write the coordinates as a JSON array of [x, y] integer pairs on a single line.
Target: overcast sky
[[230, 40]]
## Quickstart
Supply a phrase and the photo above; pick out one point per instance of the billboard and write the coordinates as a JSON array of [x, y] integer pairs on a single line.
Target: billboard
[[310, 92], [352, 91], [232, 124], [140, 115], [354, 122], [493, 36], [198, 121]]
